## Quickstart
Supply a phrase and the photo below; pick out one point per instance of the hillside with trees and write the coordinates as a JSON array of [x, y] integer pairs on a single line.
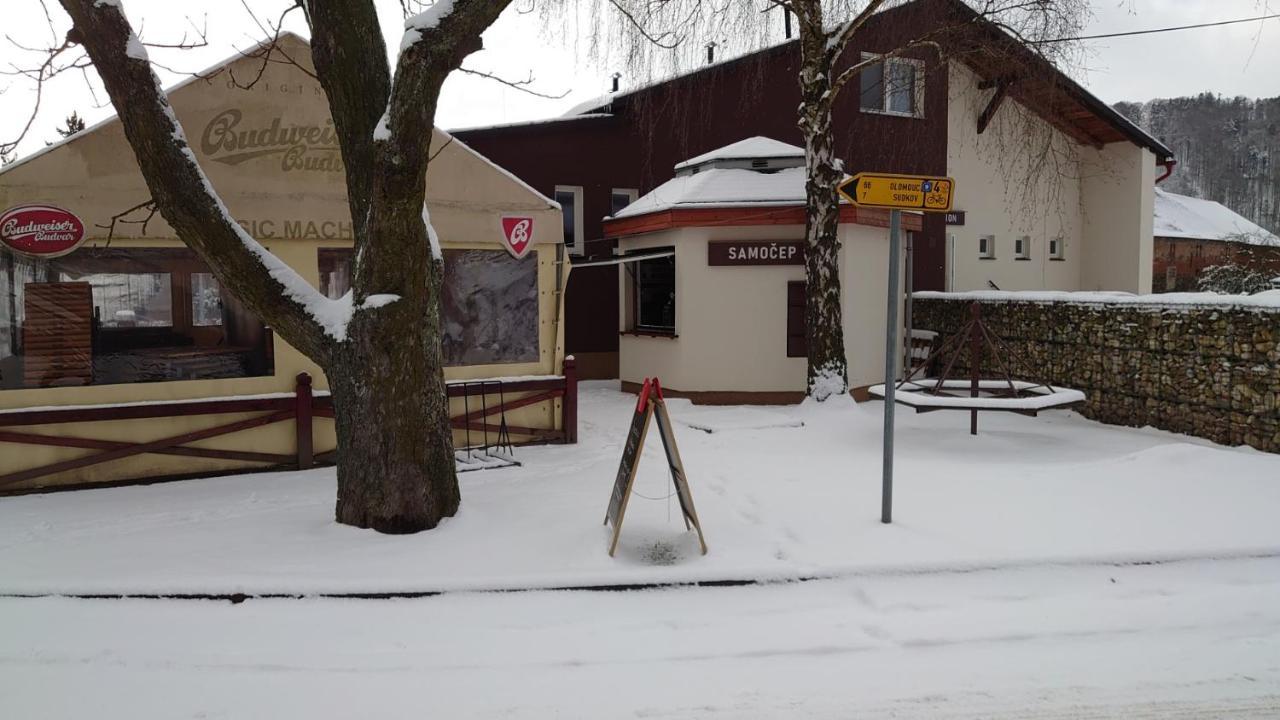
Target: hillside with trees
[[1228, 149]]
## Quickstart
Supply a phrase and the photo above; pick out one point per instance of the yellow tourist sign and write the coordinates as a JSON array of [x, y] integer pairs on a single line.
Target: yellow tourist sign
[[899, 192]]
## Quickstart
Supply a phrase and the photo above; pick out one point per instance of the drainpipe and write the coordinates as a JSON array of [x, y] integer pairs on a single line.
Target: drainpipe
[[1168, 169]]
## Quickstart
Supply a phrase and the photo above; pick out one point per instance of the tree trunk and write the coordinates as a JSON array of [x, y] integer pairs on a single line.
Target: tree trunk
[[395, 448], [824, 329]]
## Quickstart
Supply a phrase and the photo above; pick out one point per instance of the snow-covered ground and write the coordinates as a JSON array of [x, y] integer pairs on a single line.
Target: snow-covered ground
[[776, 500], [1050, 567], [1187, 640]]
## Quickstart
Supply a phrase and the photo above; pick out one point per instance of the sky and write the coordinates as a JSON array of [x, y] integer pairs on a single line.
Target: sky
[[1231, 60]]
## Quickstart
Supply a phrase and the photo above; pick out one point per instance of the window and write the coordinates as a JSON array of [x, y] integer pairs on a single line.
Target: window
[[1022, 247], [335, 271], [1057, 249], [987, 247], [488, 306], [893, 86], [206, 300], [104, 316], [797, 344], [655, 295], [570, 199], [129, 299], [620, 198]]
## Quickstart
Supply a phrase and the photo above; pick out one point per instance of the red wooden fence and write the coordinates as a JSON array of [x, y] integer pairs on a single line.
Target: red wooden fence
[[300, 407]]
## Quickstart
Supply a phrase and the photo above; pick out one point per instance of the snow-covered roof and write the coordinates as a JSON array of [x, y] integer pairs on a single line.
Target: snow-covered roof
[[1182, 216], [720, 188], [751, 148]]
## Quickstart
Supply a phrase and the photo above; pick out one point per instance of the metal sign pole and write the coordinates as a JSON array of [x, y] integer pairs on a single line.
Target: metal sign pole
[[892, 351]]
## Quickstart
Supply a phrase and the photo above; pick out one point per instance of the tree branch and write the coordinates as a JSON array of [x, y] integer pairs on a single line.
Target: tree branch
[[180, 189], [521, 85]]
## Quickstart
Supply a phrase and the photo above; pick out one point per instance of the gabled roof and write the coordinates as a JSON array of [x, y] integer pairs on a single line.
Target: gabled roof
[[1182, 216], [284, 37], [1033, 81]]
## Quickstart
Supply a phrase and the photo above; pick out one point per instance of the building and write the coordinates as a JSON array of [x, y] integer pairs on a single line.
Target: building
[[712, 296], [1192, 234], [131, 322], [1067, 209]]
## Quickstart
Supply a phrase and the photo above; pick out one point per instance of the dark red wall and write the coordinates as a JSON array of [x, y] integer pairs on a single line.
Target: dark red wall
[[652, 129]]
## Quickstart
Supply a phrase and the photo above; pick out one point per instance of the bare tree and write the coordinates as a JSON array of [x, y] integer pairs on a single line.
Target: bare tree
[[380, 347], [1011, 31]]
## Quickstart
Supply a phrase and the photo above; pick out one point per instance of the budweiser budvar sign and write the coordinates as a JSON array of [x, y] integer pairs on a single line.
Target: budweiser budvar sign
[[41, 230], [230, 139]]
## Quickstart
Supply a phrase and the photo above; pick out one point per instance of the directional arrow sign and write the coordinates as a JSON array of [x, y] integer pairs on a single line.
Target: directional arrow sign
[[899, 192]]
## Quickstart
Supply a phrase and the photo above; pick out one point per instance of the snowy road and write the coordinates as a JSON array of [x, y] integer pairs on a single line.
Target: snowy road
[[1181, 640]]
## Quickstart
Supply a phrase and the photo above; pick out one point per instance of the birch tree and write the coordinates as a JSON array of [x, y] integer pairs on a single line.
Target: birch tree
[[825, 29], [380, 347]]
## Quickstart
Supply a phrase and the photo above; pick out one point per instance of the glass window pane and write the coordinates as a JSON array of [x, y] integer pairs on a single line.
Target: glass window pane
[[335, 271], [872, 80], [106, 316], [206, 300], [129, 299], [656, 294], [618, 201], [902, 87], [568, 209]]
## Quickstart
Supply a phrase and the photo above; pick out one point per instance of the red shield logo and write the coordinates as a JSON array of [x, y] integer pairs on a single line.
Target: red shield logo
[[41, 230], [517, 234]]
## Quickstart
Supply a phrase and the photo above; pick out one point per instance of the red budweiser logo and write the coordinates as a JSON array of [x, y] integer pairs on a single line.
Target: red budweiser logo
[[41, 230], [517, 234]]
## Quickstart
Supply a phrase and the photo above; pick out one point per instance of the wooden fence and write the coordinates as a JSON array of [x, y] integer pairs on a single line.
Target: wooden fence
[[300, 408]]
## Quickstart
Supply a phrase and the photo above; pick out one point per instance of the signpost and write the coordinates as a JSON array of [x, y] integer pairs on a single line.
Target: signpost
[[649, 405], [895, 193]]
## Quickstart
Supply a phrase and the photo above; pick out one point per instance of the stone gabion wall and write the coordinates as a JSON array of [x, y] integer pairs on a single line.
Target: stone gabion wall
[[1208, 371]]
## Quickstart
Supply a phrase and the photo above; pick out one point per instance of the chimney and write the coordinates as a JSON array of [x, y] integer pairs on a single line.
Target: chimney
[[711, 53], [616, 77]]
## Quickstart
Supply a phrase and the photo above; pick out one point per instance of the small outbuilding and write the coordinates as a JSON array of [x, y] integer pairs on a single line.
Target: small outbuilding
[[1192, 234], [713, 294]]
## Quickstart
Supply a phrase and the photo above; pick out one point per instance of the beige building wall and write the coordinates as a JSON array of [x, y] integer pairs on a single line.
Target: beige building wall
[[1023, 177], [731, 322], [291, 199], [1118, 189], [864, 263]]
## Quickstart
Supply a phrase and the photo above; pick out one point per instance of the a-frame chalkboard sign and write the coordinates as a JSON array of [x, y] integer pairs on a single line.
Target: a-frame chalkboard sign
[[650, 405]]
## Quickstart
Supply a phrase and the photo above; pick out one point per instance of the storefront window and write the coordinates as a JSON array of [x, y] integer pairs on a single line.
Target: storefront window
[[489, 306], [656, 294], [122, 315]]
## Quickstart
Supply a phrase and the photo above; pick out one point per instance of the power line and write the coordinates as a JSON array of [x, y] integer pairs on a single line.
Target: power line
[[1156, 30]]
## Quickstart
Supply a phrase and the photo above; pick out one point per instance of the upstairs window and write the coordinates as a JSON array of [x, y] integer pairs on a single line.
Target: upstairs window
[[620, 198], [893, 86], [570, 199]]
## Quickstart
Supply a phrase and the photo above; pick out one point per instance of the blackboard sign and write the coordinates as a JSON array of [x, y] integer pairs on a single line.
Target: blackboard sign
[[627, 467], [650, 404]]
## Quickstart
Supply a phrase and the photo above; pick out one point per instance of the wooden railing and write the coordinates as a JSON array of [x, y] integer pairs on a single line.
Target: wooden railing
[[301, 407]]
